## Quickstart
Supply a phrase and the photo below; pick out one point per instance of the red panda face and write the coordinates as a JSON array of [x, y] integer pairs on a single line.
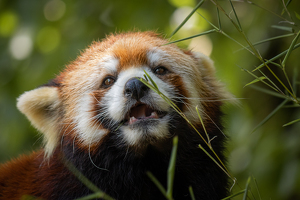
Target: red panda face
[[99, 93], [121, 101]]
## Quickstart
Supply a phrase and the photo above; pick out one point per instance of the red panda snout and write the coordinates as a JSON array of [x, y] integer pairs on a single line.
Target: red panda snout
[[135, 89]]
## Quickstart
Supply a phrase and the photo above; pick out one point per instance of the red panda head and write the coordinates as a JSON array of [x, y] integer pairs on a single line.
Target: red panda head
[[99, 94]]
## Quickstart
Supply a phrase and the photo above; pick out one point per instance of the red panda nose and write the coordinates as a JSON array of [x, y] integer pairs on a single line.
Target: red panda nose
[[135, 89]]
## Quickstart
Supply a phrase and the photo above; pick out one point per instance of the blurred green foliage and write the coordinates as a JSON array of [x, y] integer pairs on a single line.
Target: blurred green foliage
[[37, 38]]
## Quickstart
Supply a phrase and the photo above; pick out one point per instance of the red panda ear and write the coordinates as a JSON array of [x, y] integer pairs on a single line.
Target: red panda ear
[[207, 69], [205, 63], [41, 107]]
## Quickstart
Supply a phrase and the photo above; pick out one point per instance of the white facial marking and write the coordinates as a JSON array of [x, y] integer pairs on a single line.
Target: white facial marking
[[89, 131], [134, 136], [109, 64]]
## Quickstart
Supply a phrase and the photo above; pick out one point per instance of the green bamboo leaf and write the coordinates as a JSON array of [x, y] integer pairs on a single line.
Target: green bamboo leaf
[[285, 7], [290, 49], [219, 19], [270, 115], [288, 2], [256, 80], [149, 78], [246, 189], [264, 8], [223, 33], [292, 106], [268, 40], [171, 169], [275, 57], [297, 15], [283, 28], [193, 36], [259, 79], [199, 116], [192, 193], [295, 78], [289, 82], [256, 186], [236, 17], [236, 194], [187, 18], [157, 183], [224, 170], [276, 64], [292, 122], [269, 92]]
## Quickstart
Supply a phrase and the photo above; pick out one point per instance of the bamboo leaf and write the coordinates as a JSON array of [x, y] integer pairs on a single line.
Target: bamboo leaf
[[236, 17], [192, 193], [256, 186], [292, 122], [264, 8], [236, 194], [202, 124], [295, 78], [288, 2], [259, 79], [256, 80], [283, 28], [171, 169], [285, 8], [268, 40], [297, 15], [290, 49], [157, 183], [193, 36], [219, 19], [246, 189], [266, 91], [187, 18], [270, 115], [224, 170], [275, 57]]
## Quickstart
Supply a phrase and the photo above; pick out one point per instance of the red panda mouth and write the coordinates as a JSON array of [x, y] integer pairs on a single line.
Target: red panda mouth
[[142, 112]]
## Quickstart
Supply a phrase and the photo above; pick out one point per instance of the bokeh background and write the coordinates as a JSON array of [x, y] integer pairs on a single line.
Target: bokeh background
[[38, 38]]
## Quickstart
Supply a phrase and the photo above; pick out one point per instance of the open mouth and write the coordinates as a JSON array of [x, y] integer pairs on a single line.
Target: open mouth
[[142, 112]]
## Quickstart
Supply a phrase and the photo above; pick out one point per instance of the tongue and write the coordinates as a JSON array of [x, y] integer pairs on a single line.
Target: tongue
[[140, 111]]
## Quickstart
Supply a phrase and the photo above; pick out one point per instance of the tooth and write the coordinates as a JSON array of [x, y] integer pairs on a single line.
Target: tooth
[[132, 120], [154, 115]]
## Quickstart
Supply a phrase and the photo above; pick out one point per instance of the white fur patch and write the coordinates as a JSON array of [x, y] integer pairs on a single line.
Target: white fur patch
[[41, 107], [134, 137], [88, 130]]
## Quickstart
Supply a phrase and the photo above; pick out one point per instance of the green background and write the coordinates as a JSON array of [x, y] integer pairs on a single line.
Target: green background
[[38, 38]]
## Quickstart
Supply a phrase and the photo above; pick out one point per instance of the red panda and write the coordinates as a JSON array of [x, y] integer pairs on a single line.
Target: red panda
[[110, 126]]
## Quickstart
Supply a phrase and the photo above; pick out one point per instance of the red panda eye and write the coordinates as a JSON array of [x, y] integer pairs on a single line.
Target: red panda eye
[[108, 81], [160, 70]]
